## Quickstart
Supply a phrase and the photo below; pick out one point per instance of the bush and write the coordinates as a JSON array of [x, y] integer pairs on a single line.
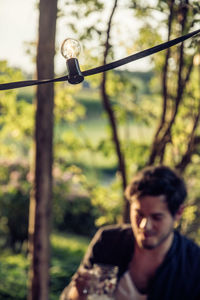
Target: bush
[[72, 207], [14, 204], [78, 216], [76, 206]]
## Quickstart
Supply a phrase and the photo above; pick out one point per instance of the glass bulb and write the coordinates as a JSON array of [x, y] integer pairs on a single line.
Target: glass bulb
[[70, 48], [196, 60]]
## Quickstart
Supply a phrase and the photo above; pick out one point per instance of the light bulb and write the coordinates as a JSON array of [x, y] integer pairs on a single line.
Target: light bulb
[[196, 60], [70, 48]]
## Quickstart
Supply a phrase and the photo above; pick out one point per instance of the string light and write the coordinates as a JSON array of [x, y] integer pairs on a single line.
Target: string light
[[76, 76], [70, 50]]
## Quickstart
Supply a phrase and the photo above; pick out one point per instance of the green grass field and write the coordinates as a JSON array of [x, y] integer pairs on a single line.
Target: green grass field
[[67, 252]]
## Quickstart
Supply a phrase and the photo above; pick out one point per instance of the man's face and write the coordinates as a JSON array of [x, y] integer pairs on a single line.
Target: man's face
[[151, 221]]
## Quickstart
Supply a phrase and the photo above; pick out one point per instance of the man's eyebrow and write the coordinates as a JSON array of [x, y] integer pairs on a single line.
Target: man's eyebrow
[[160, 214], [139, 211], [156, 214]]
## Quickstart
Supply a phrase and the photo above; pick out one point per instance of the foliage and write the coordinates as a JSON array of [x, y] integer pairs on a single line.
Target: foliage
[[14, 203], [130, 105], [190, 221], [13, 276], [16, 117], [72, 207], [69, 207], [85, 170], [109, 202], [176, 74], [67, 251], [87, 190], [66, 107]]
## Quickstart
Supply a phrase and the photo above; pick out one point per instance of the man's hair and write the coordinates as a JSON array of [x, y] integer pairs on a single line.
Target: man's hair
[[157, 181]]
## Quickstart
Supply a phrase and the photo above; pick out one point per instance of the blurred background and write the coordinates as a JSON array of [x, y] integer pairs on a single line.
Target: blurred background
[[104, 130]]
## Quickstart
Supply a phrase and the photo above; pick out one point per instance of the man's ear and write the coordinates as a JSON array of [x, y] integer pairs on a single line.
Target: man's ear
[[179, 213]]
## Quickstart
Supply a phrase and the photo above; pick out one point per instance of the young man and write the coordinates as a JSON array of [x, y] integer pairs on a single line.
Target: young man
[[155, 262]]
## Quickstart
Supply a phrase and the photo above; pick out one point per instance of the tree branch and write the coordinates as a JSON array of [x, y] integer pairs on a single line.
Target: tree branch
[[164, 89], [160, 143], [110, 113]]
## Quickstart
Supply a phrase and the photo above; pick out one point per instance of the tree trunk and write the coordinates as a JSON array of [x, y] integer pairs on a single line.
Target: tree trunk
[[40, 206]]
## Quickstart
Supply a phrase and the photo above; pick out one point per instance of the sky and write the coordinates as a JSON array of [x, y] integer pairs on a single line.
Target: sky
[[19, 25]]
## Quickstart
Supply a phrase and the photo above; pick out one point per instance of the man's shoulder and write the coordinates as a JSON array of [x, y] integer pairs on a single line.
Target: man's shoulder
[[189, 247], [115, 233], [188, 254], [188, 241], [111, 244], [118, 229]]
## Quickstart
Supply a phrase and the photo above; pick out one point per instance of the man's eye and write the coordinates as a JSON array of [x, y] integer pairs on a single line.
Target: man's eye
[[139, 215], [157, 217]]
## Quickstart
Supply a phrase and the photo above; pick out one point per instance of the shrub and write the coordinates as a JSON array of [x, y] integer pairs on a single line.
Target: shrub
[[14, 204]]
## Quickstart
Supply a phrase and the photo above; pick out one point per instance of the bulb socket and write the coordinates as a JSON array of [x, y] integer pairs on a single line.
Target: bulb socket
[[74, 73]]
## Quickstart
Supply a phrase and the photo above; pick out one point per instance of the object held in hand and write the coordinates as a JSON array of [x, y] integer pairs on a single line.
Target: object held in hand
[[103, 282]]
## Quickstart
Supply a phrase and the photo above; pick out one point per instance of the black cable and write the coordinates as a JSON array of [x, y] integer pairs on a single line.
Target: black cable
[[107, 67], [139, 55], [18, 84]]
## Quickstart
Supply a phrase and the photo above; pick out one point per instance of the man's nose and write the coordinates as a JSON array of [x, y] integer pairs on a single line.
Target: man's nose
[[145, 224]]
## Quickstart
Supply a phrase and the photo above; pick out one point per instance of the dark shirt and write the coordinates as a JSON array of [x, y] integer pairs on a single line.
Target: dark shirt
[[177, 278]]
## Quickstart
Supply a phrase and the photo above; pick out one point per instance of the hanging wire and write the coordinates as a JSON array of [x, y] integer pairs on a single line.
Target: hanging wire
[[107, 67]]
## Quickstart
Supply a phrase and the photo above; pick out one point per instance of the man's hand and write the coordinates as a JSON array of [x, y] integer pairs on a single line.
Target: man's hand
[[80, 285]]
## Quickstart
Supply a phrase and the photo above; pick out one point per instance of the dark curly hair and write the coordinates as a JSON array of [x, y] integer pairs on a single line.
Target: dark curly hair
[[156, 181]]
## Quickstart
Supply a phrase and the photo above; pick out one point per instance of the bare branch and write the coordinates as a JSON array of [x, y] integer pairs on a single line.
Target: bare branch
[[111, 116]]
